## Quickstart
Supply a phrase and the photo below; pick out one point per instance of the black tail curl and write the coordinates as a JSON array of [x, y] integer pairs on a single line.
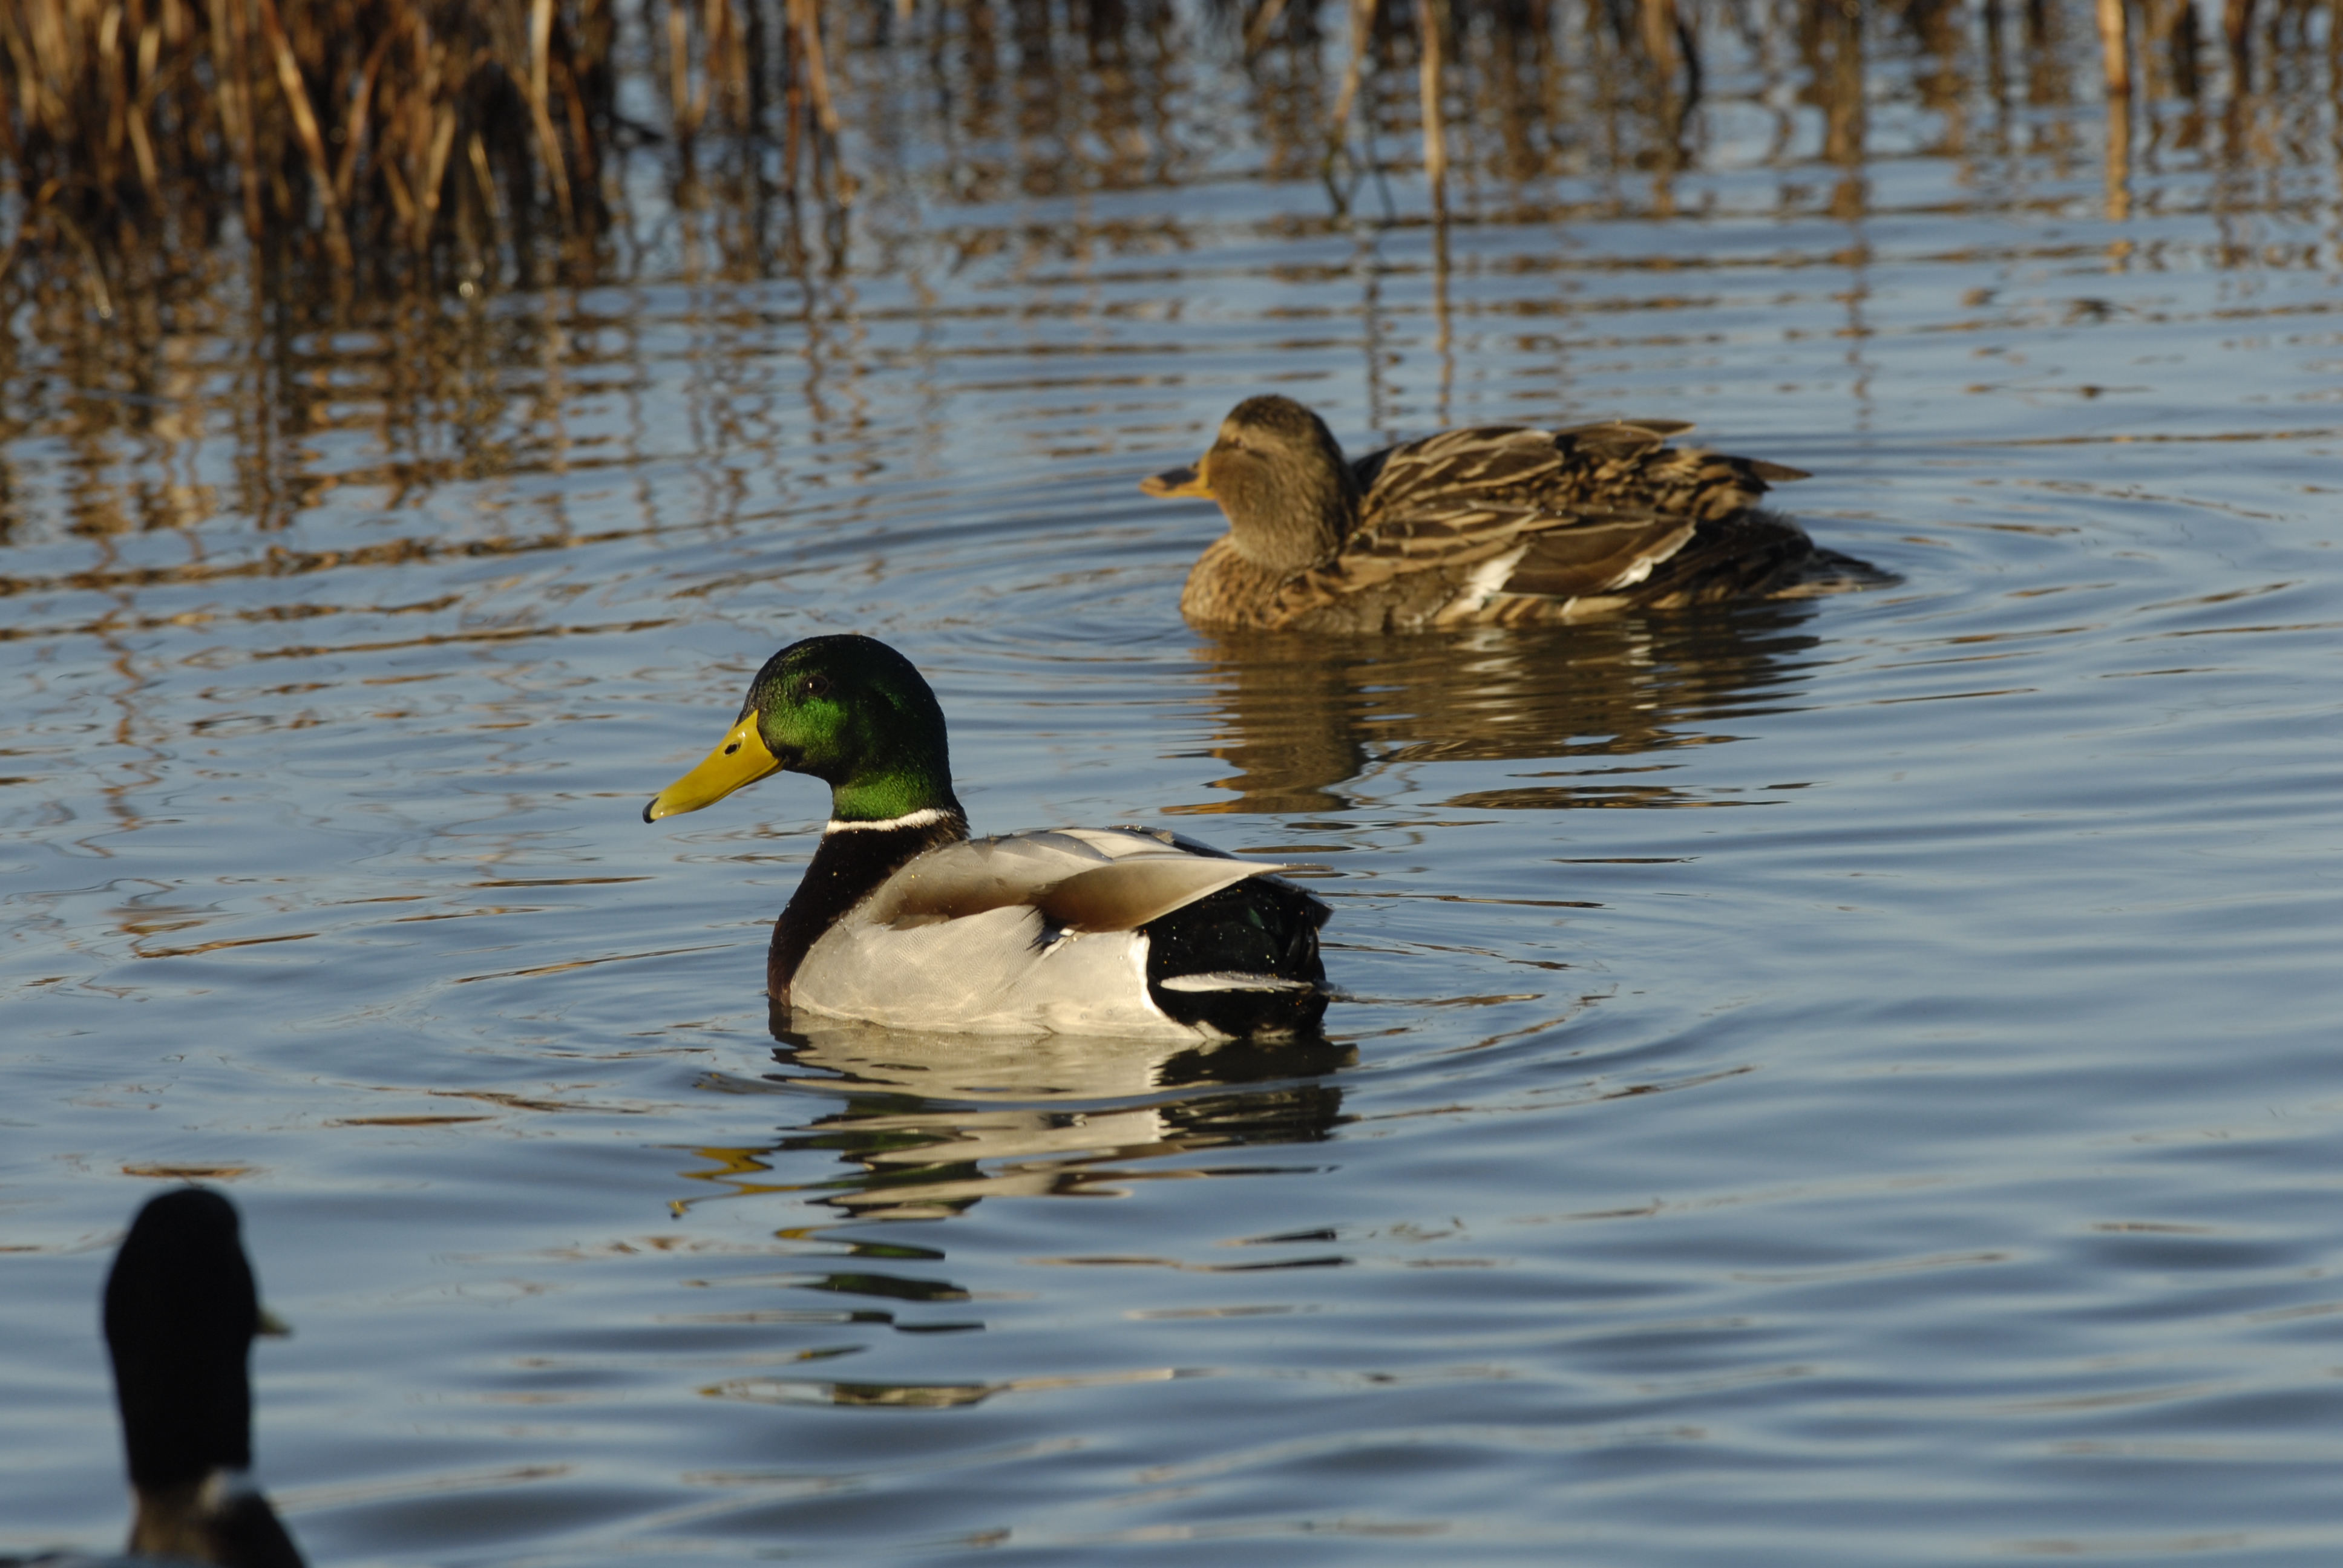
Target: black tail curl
[[1262, 928]]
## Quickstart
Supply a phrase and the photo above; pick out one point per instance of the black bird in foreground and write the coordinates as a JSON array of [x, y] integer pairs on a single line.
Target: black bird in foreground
[[181, 1311]]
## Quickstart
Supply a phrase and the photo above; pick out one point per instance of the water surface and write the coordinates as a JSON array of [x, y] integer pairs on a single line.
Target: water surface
[[1838, 1082]]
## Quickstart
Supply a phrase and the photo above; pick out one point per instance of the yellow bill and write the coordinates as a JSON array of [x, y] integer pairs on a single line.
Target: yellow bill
[[741, 759], [1191, 480], [275, 1326]]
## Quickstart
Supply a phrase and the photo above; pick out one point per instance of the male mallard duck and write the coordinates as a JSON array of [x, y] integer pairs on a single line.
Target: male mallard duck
[[903, 919], [181, 1311], [1502, 525]]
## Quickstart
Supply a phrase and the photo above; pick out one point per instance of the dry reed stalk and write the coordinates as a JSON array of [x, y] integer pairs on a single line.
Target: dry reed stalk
[[1659, 25], [1363, 24], [2118, 159], [1834, 51], [235, 87], [686, 107], [1265, 18], [2169, 43], [2237, 22], [805, 16], [1430, 15], [805, 28], [2115, 55], [305, 123], [354, 124], [728, 59], [540, 45]]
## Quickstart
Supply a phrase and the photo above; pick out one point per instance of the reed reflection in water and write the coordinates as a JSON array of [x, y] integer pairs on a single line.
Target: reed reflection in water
[[483, 144]]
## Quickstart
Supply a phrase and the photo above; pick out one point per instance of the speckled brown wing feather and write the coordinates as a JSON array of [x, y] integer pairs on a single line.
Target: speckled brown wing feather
[[1626, 470], [1579, 518], [1437, 508], [1429, 477], [1628, 505], [1592, 509], [1595, 555]]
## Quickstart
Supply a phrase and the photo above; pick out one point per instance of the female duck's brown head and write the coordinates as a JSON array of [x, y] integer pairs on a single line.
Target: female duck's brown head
[[1279, 474]]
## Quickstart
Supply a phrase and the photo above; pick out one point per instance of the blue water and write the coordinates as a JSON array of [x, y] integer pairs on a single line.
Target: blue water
[[1848, 1082]]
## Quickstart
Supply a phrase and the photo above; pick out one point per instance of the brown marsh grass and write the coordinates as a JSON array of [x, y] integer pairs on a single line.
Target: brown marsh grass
[[395, 143], [376, 138]]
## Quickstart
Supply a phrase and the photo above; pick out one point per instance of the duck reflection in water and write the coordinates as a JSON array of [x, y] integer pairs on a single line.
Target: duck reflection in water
[[1301, 718], [929, 1124]]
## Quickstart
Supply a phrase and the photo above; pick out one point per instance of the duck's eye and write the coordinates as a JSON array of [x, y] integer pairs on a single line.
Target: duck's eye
[[811, 687]]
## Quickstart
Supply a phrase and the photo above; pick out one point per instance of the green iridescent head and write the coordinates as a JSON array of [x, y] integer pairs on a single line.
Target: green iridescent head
[[849, 711]]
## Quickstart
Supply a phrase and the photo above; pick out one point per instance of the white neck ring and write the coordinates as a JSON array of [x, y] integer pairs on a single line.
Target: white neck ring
[[926, 816]]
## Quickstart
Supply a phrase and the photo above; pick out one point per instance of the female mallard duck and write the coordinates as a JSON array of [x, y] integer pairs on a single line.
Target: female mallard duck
[[181, 1311], [1497, 526], [903, 919]]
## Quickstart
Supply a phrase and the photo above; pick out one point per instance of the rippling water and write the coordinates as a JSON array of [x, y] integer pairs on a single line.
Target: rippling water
[[1841, 1082]]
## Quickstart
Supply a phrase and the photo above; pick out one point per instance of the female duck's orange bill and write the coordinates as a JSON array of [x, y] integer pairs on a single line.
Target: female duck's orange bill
[[1191, 480]]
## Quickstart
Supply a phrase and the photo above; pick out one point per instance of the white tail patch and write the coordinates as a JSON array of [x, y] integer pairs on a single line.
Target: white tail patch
[[1232, 980]]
